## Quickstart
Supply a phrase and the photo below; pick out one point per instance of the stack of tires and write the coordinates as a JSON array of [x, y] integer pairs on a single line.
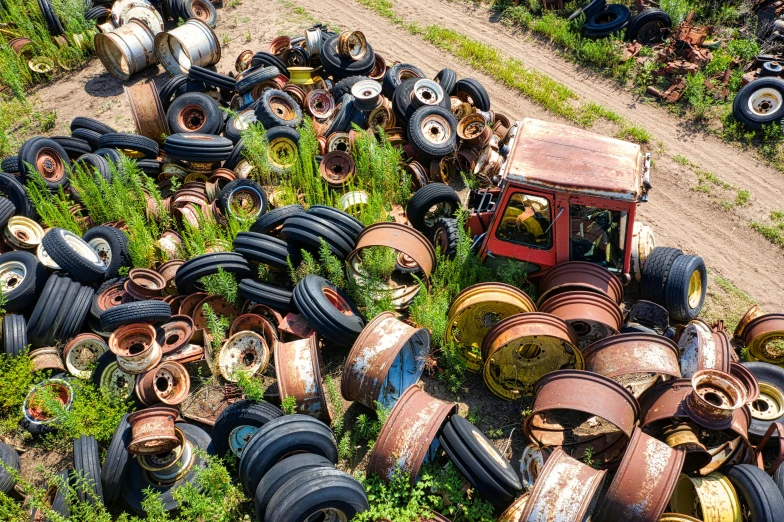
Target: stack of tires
[[676, 281]]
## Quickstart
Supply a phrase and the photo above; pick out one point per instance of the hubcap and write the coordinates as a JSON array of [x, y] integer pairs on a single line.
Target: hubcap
[[239, 437]]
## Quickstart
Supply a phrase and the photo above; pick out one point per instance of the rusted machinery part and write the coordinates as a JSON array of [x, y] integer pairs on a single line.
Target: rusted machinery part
[[298, 371], [175, 334], [188, 305], [386, 359], [47, 358], [685, 436], [320, 104], [576, 275], [168, 383], [405, 441], [635, 360], [136, 347], [258, 324], [532, 461], [188, 353], [476, 310], [352, 45], [752, 313], [643, 483], [218, 304], [474, 131], [337, 168], [714, 397], [81, 352], [593, 316], [764, 338], [169, 242], [168, 270], [162, 462], [144, 284], [152, 430], [279, 45], [382, 116], [379, 67], [713, 497], [147, 111], [400, 294], [515, 510], [522, 348], [699, 350], [244, 351], [403, 239], [742, 373], [566, 491], [565, 410]]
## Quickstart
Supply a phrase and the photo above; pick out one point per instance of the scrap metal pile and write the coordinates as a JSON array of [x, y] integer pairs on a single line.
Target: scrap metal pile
[[664, 416]]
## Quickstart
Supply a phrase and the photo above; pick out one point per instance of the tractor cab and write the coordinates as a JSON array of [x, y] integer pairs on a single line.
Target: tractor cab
[[563, 194]]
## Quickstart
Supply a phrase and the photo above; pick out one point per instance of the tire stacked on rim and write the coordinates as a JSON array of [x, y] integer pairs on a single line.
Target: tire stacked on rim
[[676, 281]]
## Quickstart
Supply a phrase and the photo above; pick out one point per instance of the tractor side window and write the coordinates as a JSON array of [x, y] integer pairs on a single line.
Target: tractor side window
[[526, 220], [598, 236]]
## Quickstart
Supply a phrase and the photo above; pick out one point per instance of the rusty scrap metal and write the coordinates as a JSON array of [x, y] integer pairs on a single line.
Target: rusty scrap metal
[[152, 430], [531, 463], [175, 334], [298, 371], [751, 314], [643, 483], [406, 439], [565, 491], [244, 351], [635, 360], [764, 338], [750, 383], [579, 275], [476, 310], [81, 352], [337, 168], [386, 359], [47, 358], [700, 351], [515, 510], [255, 323], [592, 315], [147, 110], [352, 45], [169, 383], [168, 270], [714, 397], [672, 94], [712, 497], [296, 325], [144, 284], [136, 347], [576, 410], [522, 348]]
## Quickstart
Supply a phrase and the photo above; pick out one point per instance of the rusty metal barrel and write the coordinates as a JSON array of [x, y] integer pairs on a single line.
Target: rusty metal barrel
[[193, 43], [126, 50]]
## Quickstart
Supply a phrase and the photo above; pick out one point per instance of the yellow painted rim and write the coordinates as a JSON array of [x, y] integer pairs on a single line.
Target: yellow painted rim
[[769, 405], [695, 289], [712, 495], [282, 153]]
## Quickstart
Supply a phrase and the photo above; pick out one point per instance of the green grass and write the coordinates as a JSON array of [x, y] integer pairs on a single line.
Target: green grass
[[773, 231], [726, 302]]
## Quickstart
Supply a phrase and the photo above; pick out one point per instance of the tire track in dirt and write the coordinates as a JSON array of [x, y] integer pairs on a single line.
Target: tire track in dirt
[[680, 216]]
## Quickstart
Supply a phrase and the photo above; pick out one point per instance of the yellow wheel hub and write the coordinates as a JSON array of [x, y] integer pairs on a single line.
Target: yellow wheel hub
[[711, 498], [695, 289], [769, 405], [282, 153]]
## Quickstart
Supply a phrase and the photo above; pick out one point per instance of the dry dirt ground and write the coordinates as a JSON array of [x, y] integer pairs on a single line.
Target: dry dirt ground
[[680, 216]]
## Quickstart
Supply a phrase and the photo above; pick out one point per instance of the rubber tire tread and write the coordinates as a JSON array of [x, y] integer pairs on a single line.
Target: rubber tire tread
[[119, 245], [453, 236], [27, 155], [10, 164], [244, 412], [424, 198], [280, 473], [87, 464], [137, 311], [337, 67], [70, 260], [417, 138], [476, 91], [644, 17], [223, 198], [344, 86], [447, 79], [115, 465], [10, 458], [655, 272], [343, 220], [25, 293], [122, 140], [80, 122], [14, 334], [213, 117], [189, 273], [309, 297], [74, 147], [392, 81], [740, 106], [267, 117], [275, 297], [760, 493], [60, 310], [306, 232], [267, 223], [13, 189], [259, 248], [676, 291], [92, 138]]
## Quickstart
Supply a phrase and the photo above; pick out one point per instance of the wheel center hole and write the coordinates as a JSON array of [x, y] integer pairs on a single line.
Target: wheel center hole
[[529, 351], [136, 348], [173, 338], [713, 398], [248, 359], [760, 405], [162, 384]]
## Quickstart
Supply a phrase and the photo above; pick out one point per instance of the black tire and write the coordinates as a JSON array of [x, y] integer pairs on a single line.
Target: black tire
[[447, 79], [443, 235], [476, 91], [393, 77], [680, 303], [339, 326], [307, 232], [236, 156], [136, 481], [344, 86], [594, 6], [237, 124], [137, 311], [344, 221], [347, 113], [339, 67], [92, 138], [113, 156], [53, 24], [282, 472], [401, 101], [124, 141], [275, 297], [60, 503], [7, 210], [480, 462], [427, 197], [112, 247], [422, 140], [267, 223], [195, 146], [87, 466], [189, 273], [9, 458], [270, 60], [97, 13], [655, 271], [778, 478], [14, 334], [95, 163], [757, 492], [74, 255], [11, 188], [170, 88], [771, 376], [765, 113], [212, 78], [59, 312], [246, 413], [305, 494], [267, 250], [250, 79], [190, 12], [115, 465], [279, 438], [612, 19], [10, 164], [24, 282], [235, 188], [81, 122], [649, 26], [151, 167], [30, 151], [74, 147], [270, 118], [95, 309], [194, 112]]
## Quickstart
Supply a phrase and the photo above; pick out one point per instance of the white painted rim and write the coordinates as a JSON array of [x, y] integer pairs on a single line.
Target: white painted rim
[[12, 274], [81, 247], [102, 248], [765, 101]]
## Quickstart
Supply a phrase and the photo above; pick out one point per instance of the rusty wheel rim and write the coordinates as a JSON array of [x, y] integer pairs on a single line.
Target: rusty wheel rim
[[428, 92], [282, 153], [282, 108], [32, 408], [531, 464], [320, 103], [244, 351], [192, 117], [245, 202], [337, 300], [435, 129], [82, 352], [201, 11], [49, 163], [111, 297], [712, 495], [116, 382]]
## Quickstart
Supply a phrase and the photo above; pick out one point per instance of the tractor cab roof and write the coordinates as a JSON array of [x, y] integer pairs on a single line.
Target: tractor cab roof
[[561, 158]]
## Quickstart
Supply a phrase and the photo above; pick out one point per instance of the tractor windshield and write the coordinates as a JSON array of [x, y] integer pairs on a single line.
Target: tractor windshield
[[526, 220], [598, 236]]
